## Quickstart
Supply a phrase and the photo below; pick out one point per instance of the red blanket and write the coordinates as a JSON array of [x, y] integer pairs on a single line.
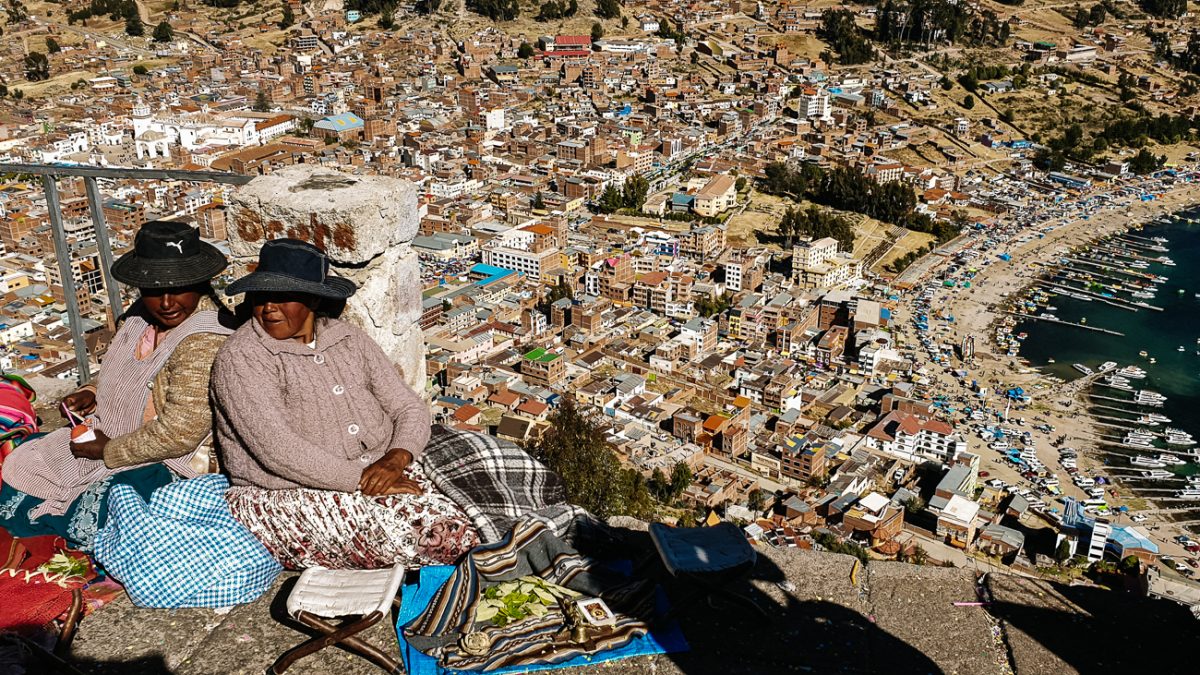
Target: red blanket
[[30, 599]]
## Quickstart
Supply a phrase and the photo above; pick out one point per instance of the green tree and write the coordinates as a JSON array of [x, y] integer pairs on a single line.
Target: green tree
[[597, 30], [261, 103], [946, 83], [287, 18], [611, 200], [52, 46], [496, 10], [525, 50], [134, 27], [163, 32], [608, 9], [139, 69], [1164, 9], [576, 450], [37, 67], [1144, 162], [913, 505], [681, 478], [969, 102], [538, 204], [758, 501], [636, 188], [740, 184], [1063, 553]]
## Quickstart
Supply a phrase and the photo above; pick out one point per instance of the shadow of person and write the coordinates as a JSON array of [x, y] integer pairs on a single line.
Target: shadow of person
[[1093, 630], [799, 634]]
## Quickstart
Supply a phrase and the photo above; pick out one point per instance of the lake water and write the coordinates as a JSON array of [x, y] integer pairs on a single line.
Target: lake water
[[1176, 373]]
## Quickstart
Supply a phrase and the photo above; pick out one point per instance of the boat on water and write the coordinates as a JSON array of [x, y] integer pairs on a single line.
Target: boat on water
[[1181, 349], [1143, 353], [1158, 417], [1153, 360], [1170, 460], [1107, 366], [1142, 294], [1157, 474], [1050, 360], [1082, 368], [1146, 462], [1132, 372]]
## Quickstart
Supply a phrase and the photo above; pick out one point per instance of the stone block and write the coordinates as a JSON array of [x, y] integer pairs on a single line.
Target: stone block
[[389, 291], [352, 218], [364, 224]]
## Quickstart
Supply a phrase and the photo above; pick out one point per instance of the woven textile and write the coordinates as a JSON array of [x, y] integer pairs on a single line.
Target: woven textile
[[531, 548], [495, 482], [45, 467], [184, 548], [18, 420], [306, 528]]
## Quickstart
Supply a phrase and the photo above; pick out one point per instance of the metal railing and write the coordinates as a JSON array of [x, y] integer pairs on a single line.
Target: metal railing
[[50, 174]]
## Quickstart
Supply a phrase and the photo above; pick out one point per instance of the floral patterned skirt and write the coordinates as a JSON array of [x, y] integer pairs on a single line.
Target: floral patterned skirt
[[349, 530]]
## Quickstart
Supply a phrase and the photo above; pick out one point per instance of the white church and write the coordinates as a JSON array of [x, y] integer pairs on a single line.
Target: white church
[[155, 133]]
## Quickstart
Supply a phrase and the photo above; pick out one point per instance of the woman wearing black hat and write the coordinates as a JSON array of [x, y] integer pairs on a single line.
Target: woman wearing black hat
[[318, 431], [148, 418]]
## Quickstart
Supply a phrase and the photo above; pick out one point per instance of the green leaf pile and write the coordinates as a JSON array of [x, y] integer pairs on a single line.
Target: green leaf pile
[[515, 600], [65, 564]]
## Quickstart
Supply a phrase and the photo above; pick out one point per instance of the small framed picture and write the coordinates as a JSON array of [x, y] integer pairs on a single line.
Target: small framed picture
[[596, 612]]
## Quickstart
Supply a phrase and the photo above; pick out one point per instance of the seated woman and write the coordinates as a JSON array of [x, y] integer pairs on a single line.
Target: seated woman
[[318, 431], [149, 411]]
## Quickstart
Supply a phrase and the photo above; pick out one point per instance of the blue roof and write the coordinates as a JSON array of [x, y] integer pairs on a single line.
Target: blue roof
[[343, 122], [1127, 538], [682, 198], [490, 272]]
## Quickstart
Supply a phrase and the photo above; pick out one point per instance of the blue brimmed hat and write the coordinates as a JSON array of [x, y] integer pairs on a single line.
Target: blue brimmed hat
[[293, 266]]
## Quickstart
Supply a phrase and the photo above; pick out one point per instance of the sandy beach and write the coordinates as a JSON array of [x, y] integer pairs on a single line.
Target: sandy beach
[[1060, 404]]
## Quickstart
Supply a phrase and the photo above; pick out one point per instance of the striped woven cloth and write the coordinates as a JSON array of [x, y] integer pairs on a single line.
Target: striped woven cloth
[[531, 548]]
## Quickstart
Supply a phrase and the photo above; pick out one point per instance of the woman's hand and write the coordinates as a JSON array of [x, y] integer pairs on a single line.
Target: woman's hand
[[386, 476], [91, 449], [81, 402]]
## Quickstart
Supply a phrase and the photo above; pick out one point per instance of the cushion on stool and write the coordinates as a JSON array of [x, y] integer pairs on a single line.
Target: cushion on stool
[[332, 593]]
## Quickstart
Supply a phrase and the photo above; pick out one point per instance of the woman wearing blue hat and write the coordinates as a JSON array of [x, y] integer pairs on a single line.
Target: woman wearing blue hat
[[319, 432], [147, 420]]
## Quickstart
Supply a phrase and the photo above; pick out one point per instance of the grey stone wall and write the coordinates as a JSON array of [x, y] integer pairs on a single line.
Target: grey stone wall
[[365, 224]]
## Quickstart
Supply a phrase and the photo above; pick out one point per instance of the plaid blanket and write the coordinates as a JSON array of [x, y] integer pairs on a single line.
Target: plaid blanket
[[495, 482]]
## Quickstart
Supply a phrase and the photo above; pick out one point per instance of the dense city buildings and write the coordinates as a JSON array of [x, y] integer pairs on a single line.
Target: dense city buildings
[[715, 226]]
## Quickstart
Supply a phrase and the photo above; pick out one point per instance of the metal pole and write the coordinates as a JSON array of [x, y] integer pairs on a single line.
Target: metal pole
[[111, 286], [63, 253]]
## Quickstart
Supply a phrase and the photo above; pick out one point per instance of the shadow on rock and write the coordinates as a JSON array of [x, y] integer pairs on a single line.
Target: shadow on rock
[[798, 635]]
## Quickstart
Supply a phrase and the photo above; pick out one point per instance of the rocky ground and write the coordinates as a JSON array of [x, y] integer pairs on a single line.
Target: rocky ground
[[828, 614]]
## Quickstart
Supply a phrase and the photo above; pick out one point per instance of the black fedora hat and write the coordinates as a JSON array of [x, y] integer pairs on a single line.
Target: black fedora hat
[[168, 255], [293, 266]]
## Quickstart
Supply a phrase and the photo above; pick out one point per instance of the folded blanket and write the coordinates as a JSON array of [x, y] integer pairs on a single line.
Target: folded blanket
[[532, 548], [495, 482]]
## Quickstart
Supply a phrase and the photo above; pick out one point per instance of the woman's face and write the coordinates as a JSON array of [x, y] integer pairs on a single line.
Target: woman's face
[[284, 316], [169, 307]]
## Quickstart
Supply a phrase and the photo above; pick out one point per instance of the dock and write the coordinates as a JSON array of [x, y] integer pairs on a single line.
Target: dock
[[1065, 323], [1115, 302], [1126, 400]]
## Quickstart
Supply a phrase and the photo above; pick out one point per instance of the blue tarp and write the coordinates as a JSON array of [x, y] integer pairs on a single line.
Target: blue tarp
[[415, 597]]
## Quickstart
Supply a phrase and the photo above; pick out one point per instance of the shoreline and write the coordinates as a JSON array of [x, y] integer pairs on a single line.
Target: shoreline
[[1060, 403]]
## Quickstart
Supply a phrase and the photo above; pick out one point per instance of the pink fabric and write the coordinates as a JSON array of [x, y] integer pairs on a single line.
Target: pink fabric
[[349, 530]]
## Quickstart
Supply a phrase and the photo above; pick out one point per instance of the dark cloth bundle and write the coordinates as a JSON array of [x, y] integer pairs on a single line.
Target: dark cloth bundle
[[532, 548]]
